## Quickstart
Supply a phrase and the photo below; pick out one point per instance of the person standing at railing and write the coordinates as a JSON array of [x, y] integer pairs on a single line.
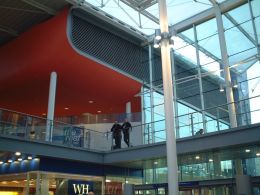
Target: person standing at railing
[[116, 133], [126, 127]]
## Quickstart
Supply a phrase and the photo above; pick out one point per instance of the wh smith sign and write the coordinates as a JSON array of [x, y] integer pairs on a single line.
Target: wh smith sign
[[78, 187]]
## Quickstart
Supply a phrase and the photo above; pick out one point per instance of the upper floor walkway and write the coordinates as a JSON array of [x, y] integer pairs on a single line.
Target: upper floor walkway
[[241, 136]]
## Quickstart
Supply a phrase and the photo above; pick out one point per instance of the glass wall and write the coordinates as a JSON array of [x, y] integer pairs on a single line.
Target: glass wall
[[222, 164], [199, 85]]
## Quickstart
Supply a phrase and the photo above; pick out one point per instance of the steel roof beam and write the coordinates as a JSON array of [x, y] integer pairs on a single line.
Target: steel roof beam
[[206, 15], [41, 7]]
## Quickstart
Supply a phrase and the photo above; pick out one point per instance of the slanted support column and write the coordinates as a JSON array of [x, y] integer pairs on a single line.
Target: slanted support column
[[200, 81], [51, 106], [225, 62], [168, 102]]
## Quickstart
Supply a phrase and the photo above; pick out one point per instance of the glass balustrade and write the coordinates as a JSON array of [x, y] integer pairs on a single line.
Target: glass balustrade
[[99, 136]]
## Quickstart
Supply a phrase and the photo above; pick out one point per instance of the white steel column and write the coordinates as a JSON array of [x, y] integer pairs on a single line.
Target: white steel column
[[51, 106], [151, 93], [227, 77], [177, 125], [168, 102], [200, 81], [128, 108]]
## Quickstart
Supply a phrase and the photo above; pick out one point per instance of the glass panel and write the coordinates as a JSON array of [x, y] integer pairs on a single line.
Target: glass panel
[[188, 53], [257, 25], [176, 9], [241, 14], [242, 55], [158, 98], [179, 43], [147, 98], [207, 29], [255, 7], [159, 112], [237, 43], [254, 91], [189, 34]]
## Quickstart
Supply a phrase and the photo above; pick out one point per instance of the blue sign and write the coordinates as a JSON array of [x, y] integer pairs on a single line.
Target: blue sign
[[76, 136], [79, 187], [73, 136]]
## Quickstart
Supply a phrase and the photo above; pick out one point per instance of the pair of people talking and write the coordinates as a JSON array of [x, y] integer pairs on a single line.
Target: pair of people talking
[[117, 135]]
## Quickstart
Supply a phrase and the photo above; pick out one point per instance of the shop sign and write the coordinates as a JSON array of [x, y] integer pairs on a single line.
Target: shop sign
[[114, 188], [78, 187]]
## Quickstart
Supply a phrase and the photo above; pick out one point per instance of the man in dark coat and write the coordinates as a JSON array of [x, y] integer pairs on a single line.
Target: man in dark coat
[[126, 131], [116, 133]]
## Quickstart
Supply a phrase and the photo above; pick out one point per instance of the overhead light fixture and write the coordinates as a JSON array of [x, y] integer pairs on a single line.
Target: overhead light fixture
[[247, 150], [158, 35], [99, 111], [108, 180], [10, 160], [165, 36], [91, 101], [156, 44], [66, 108], [156, 163], [235, 84], [19, 159], [197, 157], [29, 157], [126, 181], [1, 162], [171, 43], [210, 160], [221, 88], [258, 154], [17, 153]]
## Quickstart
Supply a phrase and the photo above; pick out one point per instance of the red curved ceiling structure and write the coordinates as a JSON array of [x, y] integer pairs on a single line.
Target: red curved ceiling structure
[[27, 62]]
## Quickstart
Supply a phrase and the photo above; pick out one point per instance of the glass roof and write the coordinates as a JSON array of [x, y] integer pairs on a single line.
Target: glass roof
[[134, 12], [143, 15]]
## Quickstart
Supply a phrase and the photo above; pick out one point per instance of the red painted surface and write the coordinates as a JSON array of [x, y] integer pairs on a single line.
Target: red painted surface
[[26, 64]]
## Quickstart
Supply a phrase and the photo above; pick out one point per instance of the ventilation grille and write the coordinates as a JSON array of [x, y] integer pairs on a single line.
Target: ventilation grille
[[109, 48]]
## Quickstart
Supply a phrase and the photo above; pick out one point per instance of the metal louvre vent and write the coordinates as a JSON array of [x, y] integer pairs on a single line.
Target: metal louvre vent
[[109, 48]]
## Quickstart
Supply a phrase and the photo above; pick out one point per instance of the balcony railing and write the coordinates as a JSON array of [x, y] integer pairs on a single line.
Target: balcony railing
[[30, 127]]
